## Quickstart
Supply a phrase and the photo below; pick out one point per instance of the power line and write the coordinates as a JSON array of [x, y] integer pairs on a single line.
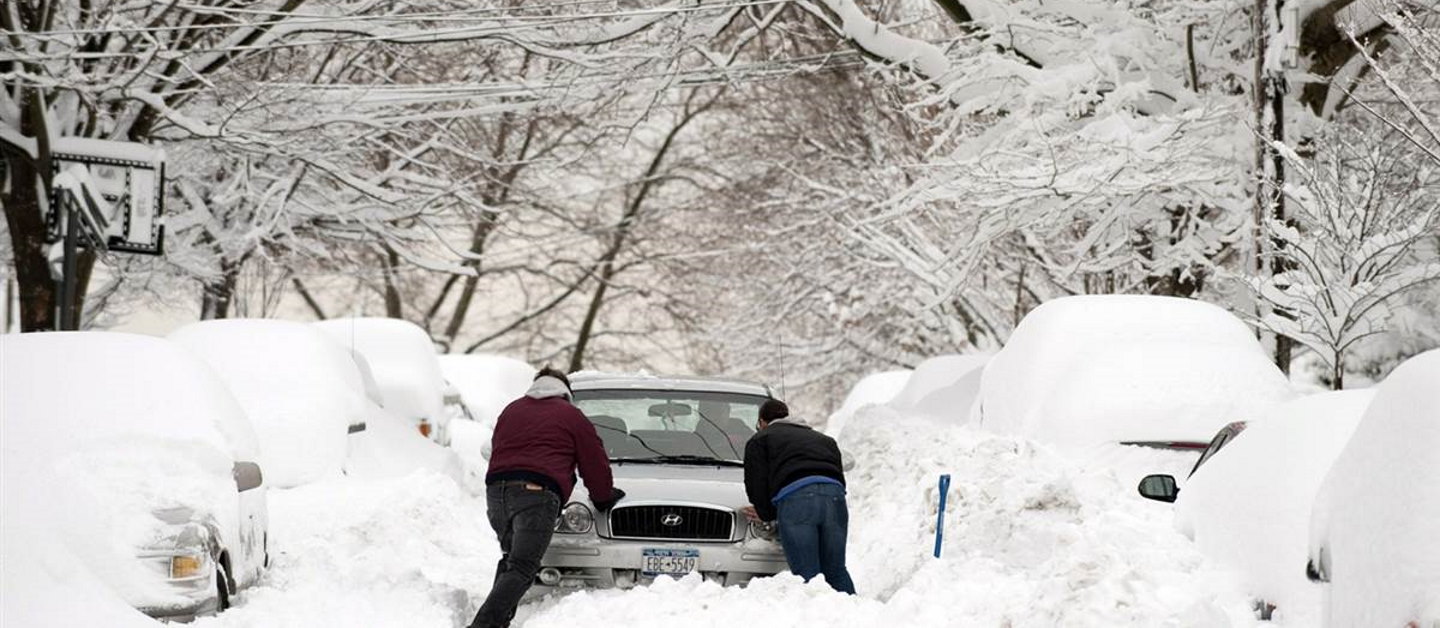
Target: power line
[[426, 18]]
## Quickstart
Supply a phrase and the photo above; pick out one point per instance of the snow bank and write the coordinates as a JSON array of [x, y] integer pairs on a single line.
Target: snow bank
[[943, 388], [487, 383], [1032, 539], [1376, 512], [394, 553], [100, 430], [1088, 369], [402, 359], [300, 390], [875, 388], [1248, 507]]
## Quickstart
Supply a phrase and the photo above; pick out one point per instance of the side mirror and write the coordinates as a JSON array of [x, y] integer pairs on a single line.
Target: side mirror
[[1159, 488], [247, 476], [1315, 568]]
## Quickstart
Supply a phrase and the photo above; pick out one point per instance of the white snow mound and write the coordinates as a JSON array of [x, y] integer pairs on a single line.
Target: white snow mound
[[875, 388], [943, 388], [1104, 368]]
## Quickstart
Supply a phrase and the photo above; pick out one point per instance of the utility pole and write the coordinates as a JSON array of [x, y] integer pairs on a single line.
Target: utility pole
[[1269, 103]]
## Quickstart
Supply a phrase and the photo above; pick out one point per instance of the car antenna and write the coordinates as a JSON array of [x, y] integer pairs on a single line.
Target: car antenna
[[782, 363]]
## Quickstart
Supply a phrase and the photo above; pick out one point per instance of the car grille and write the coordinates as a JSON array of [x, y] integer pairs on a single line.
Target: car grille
[[659, 522]]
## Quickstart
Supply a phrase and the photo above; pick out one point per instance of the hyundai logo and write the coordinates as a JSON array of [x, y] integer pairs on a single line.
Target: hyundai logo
[[670, 519]]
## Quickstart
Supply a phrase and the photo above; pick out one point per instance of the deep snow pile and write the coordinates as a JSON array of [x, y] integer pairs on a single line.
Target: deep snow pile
[[942, 388], [1376, 513], [1104, 368], [874, 388], [1032, 539], [401, 552], [1249, 506]]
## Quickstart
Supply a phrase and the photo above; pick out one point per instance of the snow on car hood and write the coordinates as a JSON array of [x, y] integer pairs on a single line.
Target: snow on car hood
[[722, 486]]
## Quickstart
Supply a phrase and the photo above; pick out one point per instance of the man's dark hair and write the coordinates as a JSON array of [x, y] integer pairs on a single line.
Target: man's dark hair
[[555, 373], [773, 409]]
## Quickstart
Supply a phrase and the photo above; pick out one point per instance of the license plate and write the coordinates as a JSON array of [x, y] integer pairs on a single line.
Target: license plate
[[668, 562]]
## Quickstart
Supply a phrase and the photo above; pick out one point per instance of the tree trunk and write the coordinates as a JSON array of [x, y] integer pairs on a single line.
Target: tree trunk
[[627, 223], [392, 291], [217, 297]]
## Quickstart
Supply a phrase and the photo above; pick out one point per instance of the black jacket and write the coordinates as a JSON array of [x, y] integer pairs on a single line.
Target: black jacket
[[782, 453]]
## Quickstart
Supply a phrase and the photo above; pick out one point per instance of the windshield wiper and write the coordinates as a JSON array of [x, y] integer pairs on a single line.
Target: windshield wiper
[[683, 459]]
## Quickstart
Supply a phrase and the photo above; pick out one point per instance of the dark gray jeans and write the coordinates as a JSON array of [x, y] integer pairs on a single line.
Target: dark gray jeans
[[524, 520]]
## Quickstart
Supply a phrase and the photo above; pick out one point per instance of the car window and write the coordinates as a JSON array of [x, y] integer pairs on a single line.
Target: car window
[[652, 424]]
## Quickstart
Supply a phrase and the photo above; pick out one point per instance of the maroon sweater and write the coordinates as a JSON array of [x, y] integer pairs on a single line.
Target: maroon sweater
[[548, 439]]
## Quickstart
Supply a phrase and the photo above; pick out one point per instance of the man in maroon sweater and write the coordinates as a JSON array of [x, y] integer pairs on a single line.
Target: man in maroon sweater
[[540, 440]]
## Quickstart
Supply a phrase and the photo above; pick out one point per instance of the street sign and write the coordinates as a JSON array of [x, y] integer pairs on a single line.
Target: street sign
[[127, 180]]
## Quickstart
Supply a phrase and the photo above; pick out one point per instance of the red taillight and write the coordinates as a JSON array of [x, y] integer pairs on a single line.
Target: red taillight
[[424, 428]]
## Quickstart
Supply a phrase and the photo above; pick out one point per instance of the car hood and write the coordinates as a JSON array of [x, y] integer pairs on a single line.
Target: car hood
[[667, 483]]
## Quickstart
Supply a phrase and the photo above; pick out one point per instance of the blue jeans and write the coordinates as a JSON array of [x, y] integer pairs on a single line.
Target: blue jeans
[[813, 524]]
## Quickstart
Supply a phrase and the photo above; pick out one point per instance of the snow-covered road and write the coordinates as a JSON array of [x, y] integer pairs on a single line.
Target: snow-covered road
[[1033, 538]]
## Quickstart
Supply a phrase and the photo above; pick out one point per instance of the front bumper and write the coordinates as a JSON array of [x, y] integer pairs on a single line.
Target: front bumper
[[588, 561]]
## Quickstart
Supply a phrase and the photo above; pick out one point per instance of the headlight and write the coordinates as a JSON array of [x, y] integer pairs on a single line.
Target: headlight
[[764, 530], [575, 518], [189, 566]]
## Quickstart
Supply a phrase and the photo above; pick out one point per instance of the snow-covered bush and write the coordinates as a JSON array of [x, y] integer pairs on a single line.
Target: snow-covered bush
[[1373, 527], [1101, 368]]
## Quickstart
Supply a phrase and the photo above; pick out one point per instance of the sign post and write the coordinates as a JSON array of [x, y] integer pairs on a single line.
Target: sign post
[[107, 196]]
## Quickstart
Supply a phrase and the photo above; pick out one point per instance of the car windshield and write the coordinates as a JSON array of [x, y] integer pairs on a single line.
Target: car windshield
[[671, 426]]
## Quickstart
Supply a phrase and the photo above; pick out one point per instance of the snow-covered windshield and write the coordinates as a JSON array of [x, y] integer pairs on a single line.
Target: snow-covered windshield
[[671, 425]]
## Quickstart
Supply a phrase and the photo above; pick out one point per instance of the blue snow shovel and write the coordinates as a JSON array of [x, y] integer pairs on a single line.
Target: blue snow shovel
[[940, 516]]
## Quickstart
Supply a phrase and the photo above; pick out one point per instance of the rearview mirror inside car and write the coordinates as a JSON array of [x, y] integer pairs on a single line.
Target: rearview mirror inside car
[[1160, 487], [669, 409]]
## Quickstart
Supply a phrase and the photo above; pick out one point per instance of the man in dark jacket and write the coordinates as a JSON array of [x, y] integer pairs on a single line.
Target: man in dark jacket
[[539, 442], [794, 476]]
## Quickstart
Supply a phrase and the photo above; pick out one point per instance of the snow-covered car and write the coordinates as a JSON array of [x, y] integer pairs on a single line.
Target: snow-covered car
[[1133, 369], [302, 392], [1162, 487], [129, 453], [402, 359], [676, 447], [486, 383], [1248, 507], [1373, 532], [312, 402]]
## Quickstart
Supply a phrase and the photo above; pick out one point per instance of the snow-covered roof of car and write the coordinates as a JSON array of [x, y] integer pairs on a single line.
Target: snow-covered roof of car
[[595, 380]]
